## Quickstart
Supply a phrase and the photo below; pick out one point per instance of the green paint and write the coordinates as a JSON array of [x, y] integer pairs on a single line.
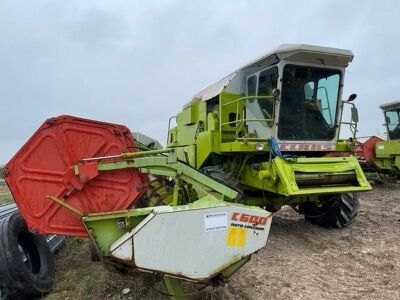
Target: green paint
[[174, 288], [106, 228], [232, 268]]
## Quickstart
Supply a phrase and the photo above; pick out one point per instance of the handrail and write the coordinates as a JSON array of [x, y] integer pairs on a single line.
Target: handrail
[[239, 122], [248, 97], [169, 127], [352, 124], [247, 120]]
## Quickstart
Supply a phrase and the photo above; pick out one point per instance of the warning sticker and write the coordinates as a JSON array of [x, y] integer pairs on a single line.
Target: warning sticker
[[381, 147], [236, 237], [216, 221]]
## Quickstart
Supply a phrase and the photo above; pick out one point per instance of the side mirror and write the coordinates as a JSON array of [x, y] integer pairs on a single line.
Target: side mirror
[[276, 93], [354, 114], [352, 97]]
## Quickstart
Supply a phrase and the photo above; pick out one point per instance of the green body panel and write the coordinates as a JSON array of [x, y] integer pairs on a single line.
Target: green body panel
[[205, 145], [229, 107], [388, 156], [280, 176], [219, 135], [345, 146], [174, 288], [387, 149], [387, 153], [105, 228], [239, 146], [169, 166]]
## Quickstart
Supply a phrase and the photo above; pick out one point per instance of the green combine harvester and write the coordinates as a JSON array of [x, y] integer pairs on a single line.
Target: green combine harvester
[[380, 159], [270, 130], [263, 137]]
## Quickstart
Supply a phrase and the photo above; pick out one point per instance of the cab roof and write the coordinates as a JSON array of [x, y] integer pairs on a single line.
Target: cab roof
[[389, 106], [291, 52]]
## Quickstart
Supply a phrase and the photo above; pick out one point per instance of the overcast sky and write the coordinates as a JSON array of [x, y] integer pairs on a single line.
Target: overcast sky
[[135, 63]]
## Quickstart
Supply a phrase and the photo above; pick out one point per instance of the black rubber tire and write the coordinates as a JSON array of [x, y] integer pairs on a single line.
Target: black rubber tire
[[94, 256], [339, 212], [26, 262]]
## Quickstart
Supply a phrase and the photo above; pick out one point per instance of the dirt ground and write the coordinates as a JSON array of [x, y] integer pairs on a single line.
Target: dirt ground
[[300, 261]]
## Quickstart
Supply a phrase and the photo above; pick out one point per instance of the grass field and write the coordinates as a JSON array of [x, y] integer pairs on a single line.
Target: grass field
[[77, 277], [5, 195]]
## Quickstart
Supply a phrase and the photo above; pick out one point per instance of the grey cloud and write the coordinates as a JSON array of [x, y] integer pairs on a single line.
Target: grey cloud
[[137, 63]]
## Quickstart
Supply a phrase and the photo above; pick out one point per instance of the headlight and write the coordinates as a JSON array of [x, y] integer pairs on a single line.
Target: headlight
[[260, 146]]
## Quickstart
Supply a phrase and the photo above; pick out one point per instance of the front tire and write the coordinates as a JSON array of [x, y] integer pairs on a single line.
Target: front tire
[[338, 212]]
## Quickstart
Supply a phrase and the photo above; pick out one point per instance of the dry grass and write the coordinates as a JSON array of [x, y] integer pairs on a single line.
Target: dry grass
[[77, 277], [5, 195]]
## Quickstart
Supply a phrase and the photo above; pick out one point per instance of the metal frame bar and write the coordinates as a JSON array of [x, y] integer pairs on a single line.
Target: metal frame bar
[[241, 121], [352, 125]]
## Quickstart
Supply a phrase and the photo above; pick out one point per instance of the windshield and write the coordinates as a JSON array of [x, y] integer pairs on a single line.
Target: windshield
[[308, 103], [393, 123]]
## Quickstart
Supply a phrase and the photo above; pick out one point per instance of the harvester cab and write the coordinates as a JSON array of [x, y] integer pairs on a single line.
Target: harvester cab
[[271, 130], [392, 119]]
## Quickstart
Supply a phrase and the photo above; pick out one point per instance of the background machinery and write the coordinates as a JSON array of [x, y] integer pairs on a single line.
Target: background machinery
[[380, 158]]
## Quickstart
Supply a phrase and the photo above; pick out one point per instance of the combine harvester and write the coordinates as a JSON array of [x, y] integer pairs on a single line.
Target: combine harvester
[[271, 131], [198, 210], [380, 159]]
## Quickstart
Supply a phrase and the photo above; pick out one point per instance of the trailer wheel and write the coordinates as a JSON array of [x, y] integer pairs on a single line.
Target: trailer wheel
[[26, 262], [338, 212]]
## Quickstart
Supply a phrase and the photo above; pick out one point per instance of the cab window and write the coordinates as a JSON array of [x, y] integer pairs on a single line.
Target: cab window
[[259, 109], [393, 123]]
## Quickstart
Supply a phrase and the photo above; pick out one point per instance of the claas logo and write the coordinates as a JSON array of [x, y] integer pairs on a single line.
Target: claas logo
[[251, 219]]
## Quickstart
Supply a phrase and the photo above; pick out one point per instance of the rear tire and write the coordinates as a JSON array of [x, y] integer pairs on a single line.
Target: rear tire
[[338, 212], [26, 262]]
